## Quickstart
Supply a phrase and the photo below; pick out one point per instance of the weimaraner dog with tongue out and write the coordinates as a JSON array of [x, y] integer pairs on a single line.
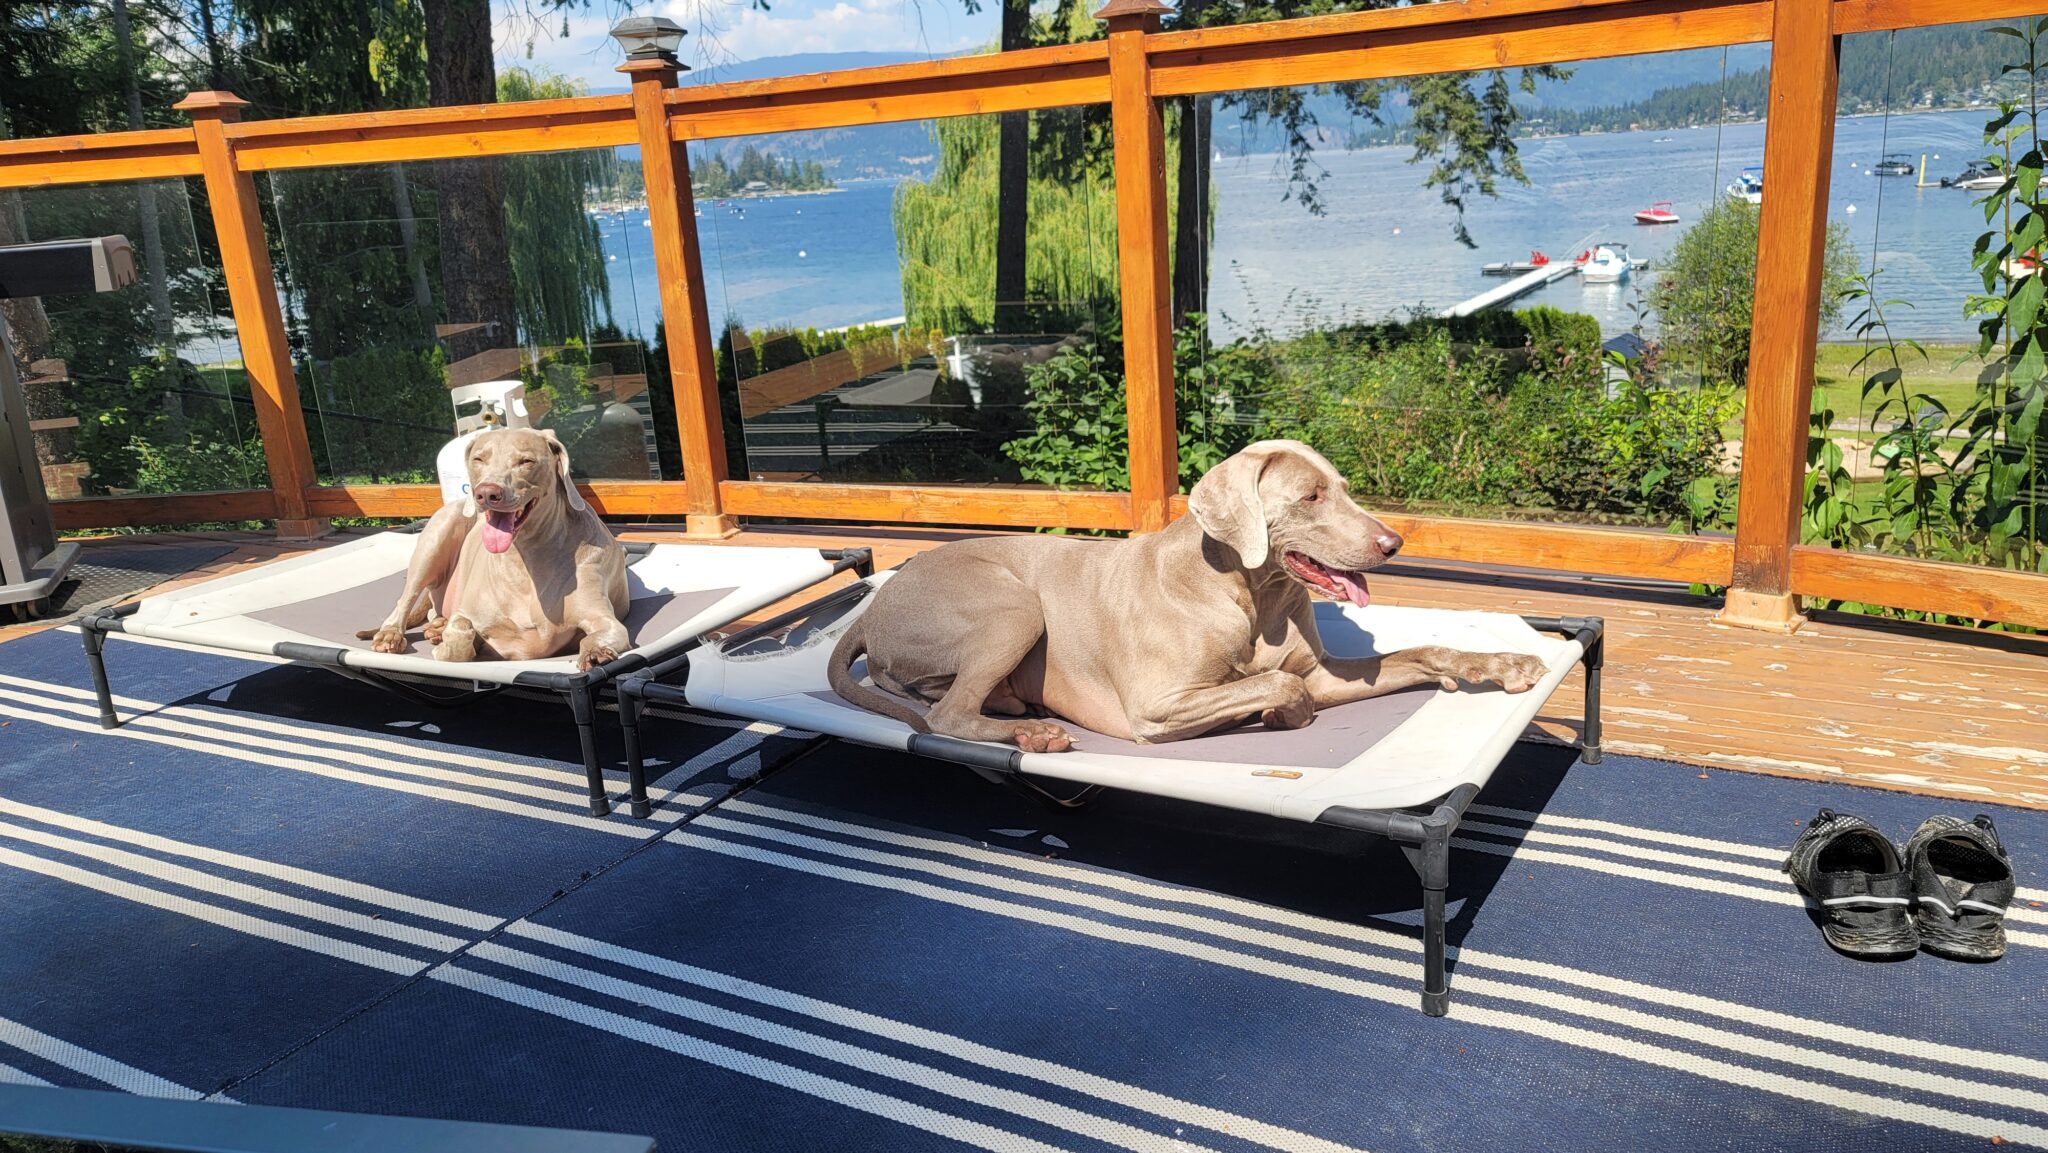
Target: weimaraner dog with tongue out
[[1203, 626], [520, 569]]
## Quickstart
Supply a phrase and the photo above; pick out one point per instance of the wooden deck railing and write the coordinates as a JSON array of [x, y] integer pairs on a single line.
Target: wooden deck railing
[[1135, 68]]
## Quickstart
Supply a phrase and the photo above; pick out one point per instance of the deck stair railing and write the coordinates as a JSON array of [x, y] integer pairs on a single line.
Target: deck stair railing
[[1133, 70]]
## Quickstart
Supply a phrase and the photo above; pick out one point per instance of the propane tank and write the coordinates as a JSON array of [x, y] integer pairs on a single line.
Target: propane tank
[[479, 408]]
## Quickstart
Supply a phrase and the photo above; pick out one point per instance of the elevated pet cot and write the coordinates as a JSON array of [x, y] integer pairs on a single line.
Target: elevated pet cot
[[1403, 766], [310, 607]]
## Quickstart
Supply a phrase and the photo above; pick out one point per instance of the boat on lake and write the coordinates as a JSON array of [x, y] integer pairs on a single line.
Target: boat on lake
[[1894, 164], [1606, 264], [1661, 212], [1982, 176], [1748, 186]]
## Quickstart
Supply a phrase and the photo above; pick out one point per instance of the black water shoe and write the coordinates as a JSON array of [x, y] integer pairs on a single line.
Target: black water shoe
[[1865, 893], [1962, 884]]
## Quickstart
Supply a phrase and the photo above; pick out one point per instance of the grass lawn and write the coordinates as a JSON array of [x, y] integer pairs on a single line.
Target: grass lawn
[[1948, 373]]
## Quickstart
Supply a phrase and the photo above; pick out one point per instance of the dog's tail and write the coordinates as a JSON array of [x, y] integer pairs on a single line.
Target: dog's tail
[[853, 643]]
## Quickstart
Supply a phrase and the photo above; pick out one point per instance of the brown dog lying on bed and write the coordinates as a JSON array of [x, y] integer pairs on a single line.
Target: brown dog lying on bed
[[1158, 638], [519, 570]]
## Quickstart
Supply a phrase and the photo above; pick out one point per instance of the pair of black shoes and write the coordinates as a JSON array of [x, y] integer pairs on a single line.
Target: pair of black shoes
[[1947, 892]]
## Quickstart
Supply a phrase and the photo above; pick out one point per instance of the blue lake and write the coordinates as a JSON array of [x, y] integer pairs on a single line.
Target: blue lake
[[1384, 245]]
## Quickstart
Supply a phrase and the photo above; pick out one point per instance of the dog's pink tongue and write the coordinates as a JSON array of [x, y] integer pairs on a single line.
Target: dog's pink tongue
[[1353, 586], [498, 528]]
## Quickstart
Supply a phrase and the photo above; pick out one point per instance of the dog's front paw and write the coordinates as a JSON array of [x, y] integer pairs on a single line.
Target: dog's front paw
[[594, 652], [1041, 737], [389, 639], [1295, 714], [1517, 672], [1514, 672], [435, 629]]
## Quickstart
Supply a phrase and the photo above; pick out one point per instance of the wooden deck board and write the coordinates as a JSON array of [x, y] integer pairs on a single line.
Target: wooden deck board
[[1919, 708]]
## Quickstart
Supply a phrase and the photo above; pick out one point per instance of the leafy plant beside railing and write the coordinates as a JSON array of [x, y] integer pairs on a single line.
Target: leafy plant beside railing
[[1908, 511], [1914, 513], [1998, 470], [1828, 509], [1079, 431]]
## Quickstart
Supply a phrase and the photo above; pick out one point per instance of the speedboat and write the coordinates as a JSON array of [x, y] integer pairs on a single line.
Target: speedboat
[[1661, 212], [1748, 186], [1982, 176], [1894, 164], [1605, 264], [2024, 265]]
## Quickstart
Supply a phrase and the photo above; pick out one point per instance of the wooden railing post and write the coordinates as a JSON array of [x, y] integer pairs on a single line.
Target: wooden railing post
[[259, 320], [1140, 139], [679, 263], [1799, 138]]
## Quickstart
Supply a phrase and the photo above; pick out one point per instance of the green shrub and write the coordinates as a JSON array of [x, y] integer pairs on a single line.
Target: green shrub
[[1407, 421], [197, 466], [380, 412], [1079, 430], [1557, 337], [1417, 422], [1562, 334], [1706, 289], [162, 400]]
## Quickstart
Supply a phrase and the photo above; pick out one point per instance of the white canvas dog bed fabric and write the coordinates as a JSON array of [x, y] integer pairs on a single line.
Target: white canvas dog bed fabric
[[1404, 766], [321, 600], [1408, 748], [310, 608]]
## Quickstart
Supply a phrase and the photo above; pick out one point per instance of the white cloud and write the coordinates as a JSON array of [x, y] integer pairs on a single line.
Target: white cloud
[[940, 27], [728, 31], [586, 53]]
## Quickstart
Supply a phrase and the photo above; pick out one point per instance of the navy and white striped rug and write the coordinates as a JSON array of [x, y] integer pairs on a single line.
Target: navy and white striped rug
[[275, 886]]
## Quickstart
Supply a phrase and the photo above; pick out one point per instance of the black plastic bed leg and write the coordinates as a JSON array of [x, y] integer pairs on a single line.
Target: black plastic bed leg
[[586, 734], [1589, 740], [1432, 862], [631, 707], [95, 640], [1436, 991]]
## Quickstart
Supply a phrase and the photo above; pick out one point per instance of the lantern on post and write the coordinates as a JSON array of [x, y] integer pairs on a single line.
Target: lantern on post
[[649, 38]]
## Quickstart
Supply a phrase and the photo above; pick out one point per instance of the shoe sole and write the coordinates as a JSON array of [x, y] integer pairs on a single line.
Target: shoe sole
[[1872, 946], [1964, 945]]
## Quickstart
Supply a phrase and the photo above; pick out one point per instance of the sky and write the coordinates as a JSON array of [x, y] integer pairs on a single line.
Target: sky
[[726, 31]]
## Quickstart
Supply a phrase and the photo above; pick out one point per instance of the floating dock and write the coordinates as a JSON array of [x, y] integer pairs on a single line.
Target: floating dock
[[1520, 286]]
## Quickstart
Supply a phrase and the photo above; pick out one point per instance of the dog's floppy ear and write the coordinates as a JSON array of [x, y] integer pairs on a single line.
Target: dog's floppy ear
[[561, 455], [1226, 503]]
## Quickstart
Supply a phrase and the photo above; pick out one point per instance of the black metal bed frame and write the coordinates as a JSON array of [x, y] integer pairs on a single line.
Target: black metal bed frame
[[1423, 832], [582, 691]]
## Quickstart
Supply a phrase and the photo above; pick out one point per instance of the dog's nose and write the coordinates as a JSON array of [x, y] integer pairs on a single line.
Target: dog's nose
[[488, 493], [1389, 544]]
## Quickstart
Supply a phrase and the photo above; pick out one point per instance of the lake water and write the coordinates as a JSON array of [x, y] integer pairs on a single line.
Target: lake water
[[1384, 246]]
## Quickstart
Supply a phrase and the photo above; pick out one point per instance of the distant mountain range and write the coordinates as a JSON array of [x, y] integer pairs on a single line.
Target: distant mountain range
[[1599, 94], [869, 152], [769, 67]]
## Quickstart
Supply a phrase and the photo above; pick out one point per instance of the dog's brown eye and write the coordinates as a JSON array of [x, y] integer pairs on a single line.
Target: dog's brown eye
[[1313, 497]]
